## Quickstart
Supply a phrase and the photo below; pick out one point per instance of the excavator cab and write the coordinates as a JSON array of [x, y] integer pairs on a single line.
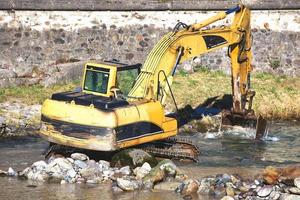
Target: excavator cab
[[109, 79]]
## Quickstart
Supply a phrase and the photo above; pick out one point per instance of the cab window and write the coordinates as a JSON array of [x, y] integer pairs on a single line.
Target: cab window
[[96, 81]]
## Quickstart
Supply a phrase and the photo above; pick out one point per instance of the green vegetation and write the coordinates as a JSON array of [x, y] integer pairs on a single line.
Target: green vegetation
[[276, 96], [34, 94]]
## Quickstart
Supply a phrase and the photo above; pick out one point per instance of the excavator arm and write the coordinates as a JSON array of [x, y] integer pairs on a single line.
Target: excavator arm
[[191, 41], [186, 42]]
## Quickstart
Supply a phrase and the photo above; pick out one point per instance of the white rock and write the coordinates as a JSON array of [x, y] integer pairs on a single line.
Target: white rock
[[71, 173], [71, 160], [141, 172], [79, 156], [55, 171], [11, 172], [290, 197], [39, 165], [227, 198], [62, 182], [297, 182], [25, 172], [274, 195], [125, 170], [127, 185], [80, 164], [146, 166], [40, 176], [104, 165], [63, 163], [265, 191], [294, 190], [108, 173]]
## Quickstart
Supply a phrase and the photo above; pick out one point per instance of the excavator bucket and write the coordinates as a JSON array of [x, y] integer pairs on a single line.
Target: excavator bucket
[[249, 121]]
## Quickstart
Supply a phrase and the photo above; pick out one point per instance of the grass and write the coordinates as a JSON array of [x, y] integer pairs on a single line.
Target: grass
[[276, 96], [34, 94]]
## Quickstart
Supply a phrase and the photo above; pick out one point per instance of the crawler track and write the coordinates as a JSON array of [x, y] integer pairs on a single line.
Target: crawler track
[[174, 148]]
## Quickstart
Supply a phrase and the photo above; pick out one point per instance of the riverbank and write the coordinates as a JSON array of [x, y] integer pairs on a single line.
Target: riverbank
[[276, 98], [79, 169]]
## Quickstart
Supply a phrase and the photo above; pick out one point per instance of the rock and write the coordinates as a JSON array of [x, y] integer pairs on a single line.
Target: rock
[[169, 186], [39, 165], [190, 186], [94, 181], [168, 166], [70, 160], [265, 191], [80, 164], [89, 173], [295, 190], [41, 176], [297, 182], [79, 156], [108, 173], [71, 173], [25, 172], [127, 185], [274, 195], [62, 182], [125, 170], [146, 166], [11, 172], [103, 165], [219, 191], [3, 173], [230, 191], [206, 185], [141, 172], [285, 175], [55, 172], [290, 197], [159, 172], [63, 163], [80, 180], [132, 158], [227, 198]]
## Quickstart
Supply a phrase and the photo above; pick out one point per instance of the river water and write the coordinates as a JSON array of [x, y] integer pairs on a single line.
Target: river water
[[229, 153]]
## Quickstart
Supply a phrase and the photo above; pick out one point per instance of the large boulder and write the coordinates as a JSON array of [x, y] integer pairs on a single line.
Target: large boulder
[[132, 158]]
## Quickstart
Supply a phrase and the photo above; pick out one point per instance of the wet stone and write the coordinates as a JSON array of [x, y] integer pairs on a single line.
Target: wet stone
[[11, 172], [265, 191], [168, 186], [297, 182], [294, 190], [79, 156], [80, 164], [127, 185]]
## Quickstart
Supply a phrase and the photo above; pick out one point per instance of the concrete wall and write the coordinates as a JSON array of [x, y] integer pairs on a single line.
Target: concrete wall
[[33, 44]]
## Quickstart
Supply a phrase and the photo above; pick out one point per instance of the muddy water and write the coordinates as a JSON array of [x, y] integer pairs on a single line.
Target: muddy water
[[226, 154]]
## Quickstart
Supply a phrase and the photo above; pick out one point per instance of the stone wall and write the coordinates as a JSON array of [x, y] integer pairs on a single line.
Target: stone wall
[[34, 44], [138, 5]]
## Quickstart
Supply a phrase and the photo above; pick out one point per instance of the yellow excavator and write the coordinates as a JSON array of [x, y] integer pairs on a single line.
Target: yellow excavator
[[121, 105]]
